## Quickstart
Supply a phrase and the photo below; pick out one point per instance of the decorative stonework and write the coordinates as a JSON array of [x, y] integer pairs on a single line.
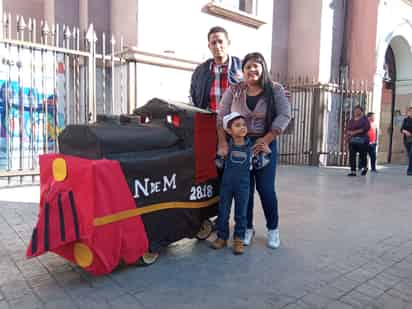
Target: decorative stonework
[[233, 14]]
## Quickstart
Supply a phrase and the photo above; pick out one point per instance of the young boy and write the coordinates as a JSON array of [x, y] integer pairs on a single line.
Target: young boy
[[235, 183], [372, 133]]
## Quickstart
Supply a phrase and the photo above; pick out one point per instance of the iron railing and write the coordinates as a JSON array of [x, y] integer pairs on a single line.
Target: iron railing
[[320, 112], [49, 76]]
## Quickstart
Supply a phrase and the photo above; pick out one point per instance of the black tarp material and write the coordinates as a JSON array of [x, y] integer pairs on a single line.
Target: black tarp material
[[158, 160]]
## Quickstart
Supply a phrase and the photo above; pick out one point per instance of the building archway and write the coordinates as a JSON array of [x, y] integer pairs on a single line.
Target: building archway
[[396, 97]]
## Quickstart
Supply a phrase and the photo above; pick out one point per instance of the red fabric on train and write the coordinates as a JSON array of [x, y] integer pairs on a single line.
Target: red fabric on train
[[205, 145], [92, 189]]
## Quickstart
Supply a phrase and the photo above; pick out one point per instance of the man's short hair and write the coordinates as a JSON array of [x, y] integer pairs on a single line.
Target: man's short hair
[[370, 114], [217, 29]]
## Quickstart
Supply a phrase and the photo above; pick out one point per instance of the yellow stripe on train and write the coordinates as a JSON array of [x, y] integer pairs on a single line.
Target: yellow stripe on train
[[123, 215]]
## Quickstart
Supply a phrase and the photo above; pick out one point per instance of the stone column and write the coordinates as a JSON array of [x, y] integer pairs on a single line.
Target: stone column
[[1, 19], [49, 11], [83, 19]]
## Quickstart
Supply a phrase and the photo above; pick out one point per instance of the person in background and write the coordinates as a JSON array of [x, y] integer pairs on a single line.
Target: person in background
[[211, 78], [406, 130], [373, 138], [357, 131]]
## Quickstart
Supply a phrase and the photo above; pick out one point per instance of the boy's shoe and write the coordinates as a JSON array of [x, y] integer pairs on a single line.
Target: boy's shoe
[[352, 174], [364, 172], [248, 236], [219, 244], [238, 247], [273, 239]]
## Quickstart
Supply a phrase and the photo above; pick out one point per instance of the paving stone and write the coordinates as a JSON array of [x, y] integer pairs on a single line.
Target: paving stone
[[66, 303], [345, 284], [331, 292], [356, 299], [387, 301], [316, 300], [396, 271], [360, 275], [15, 289], [323, 261], [338, 305], [400, 294], [4, 305], [28, 301], [370, 290], [384, 281], [125, 302]]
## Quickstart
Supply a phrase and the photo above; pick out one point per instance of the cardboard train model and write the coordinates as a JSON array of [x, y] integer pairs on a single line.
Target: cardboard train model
[[125, 186]]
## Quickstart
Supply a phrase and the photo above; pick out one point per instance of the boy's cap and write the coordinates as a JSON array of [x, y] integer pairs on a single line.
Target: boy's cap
[[230, 117]]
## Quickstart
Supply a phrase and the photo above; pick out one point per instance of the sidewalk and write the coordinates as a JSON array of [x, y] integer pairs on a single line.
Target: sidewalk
[[346, 243]]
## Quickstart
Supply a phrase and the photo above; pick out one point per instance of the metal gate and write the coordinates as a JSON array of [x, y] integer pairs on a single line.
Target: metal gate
[[320, 112], [51, 76]]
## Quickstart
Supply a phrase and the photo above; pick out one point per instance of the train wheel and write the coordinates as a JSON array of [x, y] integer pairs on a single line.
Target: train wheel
[[205, 230], [148, 258]]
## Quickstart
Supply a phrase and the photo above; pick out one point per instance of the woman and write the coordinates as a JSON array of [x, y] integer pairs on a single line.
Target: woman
[[267, 113], [357, 132], [406, 130]]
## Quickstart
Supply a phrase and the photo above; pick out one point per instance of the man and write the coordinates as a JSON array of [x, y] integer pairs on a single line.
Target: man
[[372, 134], [213, 77]]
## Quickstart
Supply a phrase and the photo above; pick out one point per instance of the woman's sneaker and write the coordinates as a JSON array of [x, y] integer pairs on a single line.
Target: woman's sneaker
[[273, 239], [248, 236]]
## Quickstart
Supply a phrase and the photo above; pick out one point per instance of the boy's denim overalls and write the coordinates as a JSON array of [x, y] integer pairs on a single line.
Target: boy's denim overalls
[[235, 183]]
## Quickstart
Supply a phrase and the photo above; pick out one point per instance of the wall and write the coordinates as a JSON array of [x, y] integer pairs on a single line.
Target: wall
[[395, 29], [183, 34], [184, 29]]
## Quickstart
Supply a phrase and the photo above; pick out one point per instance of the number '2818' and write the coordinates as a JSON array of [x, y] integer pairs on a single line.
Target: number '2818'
[[201, 192]]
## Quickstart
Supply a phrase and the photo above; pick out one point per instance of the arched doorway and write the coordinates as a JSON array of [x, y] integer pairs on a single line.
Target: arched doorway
[[396, 97]]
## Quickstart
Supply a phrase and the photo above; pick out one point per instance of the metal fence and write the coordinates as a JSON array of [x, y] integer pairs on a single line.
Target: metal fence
[[320, 112], [51, 76]]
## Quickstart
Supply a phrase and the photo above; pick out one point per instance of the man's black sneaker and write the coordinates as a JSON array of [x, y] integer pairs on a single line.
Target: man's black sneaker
[[352, 174]]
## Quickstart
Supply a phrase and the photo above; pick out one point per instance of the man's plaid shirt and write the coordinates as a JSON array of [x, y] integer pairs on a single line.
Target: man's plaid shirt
[[220, 83]]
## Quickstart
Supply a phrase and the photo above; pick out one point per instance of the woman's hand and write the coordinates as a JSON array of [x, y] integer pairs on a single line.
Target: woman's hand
[[222, 149], [262, 144], [407, 133]]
